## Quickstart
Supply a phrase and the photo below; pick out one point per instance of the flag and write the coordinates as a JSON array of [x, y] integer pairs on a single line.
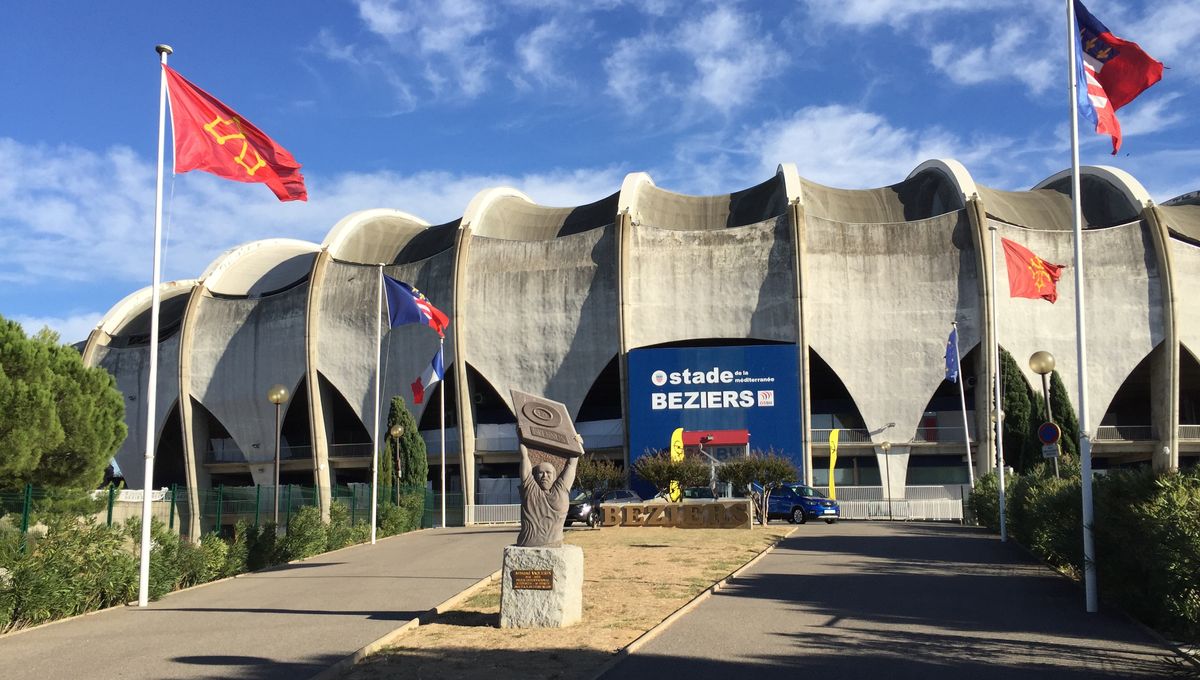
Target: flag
[[1029, 276], [676, 492], [432, 375], [409, 305], [1110, 73], [833, 446], [212, 137], [952, 356]]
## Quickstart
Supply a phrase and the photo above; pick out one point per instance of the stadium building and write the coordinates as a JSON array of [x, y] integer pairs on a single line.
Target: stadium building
[[784, 310]]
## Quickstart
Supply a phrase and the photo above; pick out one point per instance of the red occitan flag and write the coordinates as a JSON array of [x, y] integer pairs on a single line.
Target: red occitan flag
[[212, 137], [1029, 276]]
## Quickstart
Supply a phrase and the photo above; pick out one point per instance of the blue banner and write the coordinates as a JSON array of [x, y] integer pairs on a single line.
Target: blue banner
[[748, 387]]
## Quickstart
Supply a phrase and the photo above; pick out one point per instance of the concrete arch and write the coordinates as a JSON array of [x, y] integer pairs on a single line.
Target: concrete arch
[[1110, 196], [373, 236], [663, 209], [517, 218], [260, 268], [926, 192], [954, 172]]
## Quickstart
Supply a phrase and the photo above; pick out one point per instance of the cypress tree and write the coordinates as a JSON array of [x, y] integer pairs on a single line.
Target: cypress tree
[[413, 459], [1064, 415], [1018, 413]]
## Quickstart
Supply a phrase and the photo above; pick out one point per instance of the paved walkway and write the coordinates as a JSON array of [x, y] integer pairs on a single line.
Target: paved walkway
[[878, 600], [291, 622]]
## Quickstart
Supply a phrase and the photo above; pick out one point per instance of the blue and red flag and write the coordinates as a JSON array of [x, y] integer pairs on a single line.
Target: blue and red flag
[[409, 305], [432, 375], [1110, 73]]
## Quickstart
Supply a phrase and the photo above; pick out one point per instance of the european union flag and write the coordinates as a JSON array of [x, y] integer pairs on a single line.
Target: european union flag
[[952, 356]]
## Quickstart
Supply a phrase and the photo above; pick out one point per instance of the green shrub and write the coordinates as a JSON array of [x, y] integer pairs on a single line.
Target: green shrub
[[235, 557], [405, 517], [306, 536], [216, 556], [76, 567], [260, 547], [174, 563], [983, 504], [340, 533]]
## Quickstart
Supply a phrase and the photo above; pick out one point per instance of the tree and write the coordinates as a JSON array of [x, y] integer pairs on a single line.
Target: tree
[[91, 412], [414, 462], [592, 475], [1064, 415], [1019, 420], [758, 474], [28, 421], [659, 470]]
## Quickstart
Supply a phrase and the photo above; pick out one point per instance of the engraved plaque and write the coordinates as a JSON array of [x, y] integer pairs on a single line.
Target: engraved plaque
[[544, 425], [532, 579]]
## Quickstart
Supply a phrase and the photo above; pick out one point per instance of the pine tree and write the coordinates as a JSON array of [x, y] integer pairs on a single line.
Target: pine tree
[[1018, 415], [28, 419], [1064, 415], [414, 462]]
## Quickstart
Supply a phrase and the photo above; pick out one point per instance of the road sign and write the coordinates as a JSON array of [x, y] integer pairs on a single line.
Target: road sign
[[1048, 433], [1050, 451]]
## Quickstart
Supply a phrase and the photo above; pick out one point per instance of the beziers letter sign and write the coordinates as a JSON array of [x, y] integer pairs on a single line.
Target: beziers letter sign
[[715, 515]]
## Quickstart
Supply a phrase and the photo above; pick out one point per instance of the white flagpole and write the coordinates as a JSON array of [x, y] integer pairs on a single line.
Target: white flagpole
[[962, 397], [375, 426], [152, 378], [998, 412], [1085, 440], [442, 398]]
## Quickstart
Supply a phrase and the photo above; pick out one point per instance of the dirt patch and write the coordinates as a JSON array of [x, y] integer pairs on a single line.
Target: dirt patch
[[633, 579]]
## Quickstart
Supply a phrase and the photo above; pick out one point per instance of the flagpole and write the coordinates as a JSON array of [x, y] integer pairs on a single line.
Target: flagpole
[[155, 299], [998, 412], [1085, 440], [962, 397], [442, 399], [376, 409]]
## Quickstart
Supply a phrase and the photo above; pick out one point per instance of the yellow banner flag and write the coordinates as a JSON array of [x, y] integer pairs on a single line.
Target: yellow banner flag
[[833, 442], [676, 456]]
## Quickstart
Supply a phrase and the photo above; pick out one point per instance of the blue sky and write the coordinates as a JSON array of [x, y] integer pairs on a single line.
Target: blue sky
[[417, 106]]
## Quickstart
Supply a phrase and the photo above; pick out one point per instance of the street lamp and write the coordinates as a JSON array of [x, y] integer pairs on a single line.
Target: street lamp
[[887, 471], [278, 395], [1042, 363], [395, 431], [997, 417]]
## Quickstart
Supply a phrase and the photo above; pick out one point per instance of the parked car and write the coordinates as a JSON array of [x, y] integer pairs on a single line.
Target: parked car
[[585, 507], [798, 503]]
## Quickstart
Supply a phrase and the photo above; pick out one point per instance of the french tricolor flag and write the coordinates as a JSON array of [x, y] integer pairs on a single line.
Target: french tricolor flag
[[432, 375], [1110, 73]]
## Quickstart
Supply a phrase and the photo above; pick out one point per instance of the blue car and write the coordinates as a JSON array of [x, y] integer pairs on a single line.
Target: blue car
[[798, 503]]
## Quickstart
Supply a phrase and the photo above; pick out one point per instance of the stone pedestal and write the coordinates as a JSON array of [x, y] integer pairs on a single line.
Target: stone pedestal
[[541, 587]]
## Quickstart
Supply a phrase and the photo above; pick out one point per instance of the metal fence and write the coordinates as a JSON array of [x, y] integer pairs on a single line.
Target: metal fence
[[1127, 433], [935, 503]]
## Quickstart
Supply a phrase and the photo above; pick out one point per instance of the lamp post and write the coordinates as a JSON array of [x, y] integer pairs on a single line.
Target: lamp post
[[395, 431], [887, 471], [997, 417], [278, 395], [1042, 363]]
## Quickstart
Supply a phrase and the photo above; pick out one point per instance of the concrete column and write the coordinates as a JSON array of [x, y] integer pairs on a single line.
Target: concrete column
[[195, 435], [624, 225], [985, 456], [463, 404], [1164, 369], [316, 406], [799, 240]]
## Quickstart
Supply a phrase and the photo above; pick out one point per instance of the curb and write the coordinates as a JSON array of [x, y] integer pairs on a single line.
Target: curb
[[641, 640], [426, 618]]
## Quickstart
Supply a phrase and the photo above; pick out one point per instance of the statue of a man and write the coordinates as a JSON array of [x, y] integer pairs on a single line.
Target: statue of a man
[[545, 497]]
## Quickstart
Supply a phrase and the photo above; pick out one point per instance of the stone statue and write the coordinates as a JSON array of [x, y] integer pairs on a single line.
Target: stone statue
[[545, 496]]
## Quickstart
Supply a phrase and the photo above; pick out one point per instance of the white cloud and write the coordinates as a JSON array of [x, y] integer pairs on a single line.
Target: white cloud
[[726, 60], [845, 147], [1014, 52], [536, 51], [1148, 114], [870, 13], [71, 329], [1168, 33]]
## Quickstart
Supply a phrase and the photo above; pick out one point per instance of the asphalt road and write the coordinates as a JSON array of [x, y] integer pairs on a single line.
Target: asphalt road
[[291, 622], [890, 601]]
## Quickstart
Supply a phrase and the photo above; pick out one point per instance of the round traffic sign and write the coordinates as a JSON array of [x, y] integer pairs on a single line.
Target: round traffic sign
[[1049, 433]]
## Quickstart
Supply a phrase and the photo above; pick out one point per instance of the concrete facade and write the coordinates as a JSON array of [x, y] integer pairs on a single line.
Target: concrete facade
[[864, 283]]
